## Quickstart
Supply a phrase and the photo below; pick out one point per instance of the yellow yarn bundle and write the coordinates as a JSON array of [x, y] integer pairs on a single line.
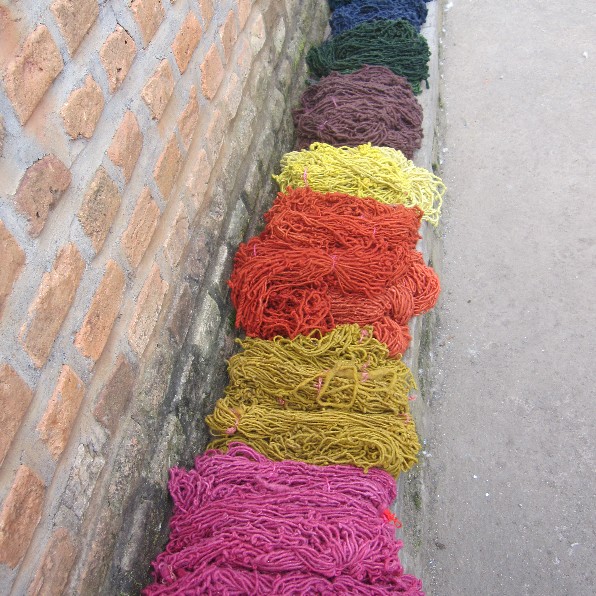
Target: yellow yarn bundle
[[345, 369], [324, 399], [364, 171]]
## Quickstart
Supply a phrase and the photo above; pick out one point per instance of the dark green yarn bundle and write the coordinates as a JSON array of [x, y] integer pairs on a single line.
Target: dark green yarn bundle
[[393, 44]]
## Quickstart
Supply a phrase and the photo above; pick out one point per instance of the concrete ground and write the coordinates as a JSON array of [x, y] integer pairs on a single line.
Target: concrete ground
[[508, 480]]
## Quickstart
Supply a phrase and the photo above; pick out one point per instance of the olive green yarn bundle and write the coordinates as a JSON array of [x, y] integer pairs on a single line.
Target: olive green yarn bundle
[[393, 44], [345, 369], [381, 173], [324, 437]]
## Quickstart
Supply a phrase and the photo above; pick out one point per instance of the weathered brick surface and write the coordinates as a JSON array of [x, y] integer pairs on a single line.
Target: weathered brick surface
[[117, 55], [75, 18], [116, 395], [198, 179], [13, 259], [178, 237], [244, 7], [168, 167], [188, 120], [20, 515], [143, 223], [206, 11], [61, 412], [148, 14], [52, 575], [159, 89], [99, 208], [126, 145], [29, 75], [105, 306], [83, 109], [147, 311], [186, 41], [228, 34], [40, 189], [49, 309], [15, 397], [212, 72]]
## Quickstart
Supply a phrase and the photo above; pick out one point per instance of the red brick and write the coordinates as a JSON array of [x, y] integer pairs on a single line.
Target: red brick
[[99, 208], [75, 18], [168, 167], [233, 95], [159, 89], [187, 123], [116, 394], [15, 397], [20, 515], [147, 311], [40, 189], [186, 41], [117, 55], [245, 58], [143, 223], [50, 307], [56, 425], [198, 181], [53, 572], [244, 7], [181, 314], [206, 11], [178, 237], [1, 135], [212, 73], [148, 14], [30, 74], [83, 109], [228, 34], [13, 259], [105, 306], [126, 145]]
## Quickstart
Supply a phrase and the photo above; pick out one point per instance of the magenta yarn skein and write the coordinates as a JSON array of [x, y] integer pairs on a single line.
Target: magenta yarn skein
[[243, 524]]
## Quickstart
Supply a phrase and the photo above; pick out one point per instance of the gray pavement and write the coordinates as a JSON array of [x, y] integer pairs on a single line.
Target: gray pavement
[[508, 481]]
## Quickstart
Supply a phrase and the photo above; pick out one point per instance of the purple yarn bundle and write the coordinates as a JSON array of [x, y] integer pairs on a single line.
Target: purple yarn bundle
[[243, 524]]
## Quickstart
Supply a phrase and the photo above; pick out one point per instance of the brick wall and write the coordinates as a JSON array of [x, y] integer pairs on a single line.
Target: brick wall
[[137, 139]]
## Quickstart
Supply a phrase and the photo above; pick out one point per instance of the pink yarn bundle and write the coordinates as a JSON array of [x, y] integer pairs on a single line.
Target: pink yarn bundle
[[243, 524]]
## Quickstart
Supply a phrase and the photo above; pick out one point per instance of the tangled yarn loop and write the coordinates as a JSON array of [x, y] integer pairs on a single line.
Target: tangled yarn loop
[[245, 525], [345, 369], [394, 44], [328, 259], [356, 12], [322, 438], [370, 105], [364, 171]]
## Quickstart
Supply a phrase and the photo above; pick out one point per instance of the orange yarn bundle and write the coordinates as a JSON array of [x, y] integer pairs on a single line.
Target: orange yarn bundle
[[326, 259]]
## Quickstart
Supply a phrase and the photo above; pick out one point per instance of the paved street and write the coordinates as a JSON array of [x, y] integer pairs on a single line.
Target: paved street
[[509, 481]]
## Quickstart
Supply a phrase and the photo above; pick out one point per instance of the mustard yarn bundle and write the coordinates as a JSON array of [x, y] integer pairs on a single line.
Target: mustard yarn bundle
[[364, 171], [336, 398], [322, 438], [345, 369]]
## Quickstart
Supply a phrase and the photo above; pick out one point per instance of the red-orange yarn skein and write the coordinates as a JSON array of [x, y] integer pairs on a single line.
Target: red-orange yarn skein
[[326, 259]]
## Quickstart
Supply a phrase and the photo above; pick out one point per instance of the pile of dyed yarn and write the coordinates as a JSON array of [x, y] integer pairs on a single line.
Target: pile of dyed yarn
[[294, 494]]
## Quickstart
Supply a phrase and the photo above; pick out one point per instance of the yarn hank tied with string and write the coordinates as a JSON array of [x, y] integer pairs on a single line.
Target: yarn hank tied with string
[[393, 44], [335, 4], [252, 526], [325, 259], [370, 105], [364, 171], [345, 369], [356, 12]]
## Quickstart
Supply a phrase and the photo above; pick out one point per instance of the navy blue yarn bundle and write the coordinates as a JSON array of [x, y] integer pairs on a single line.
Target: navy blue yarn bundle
[[335, 4], [360, 11]]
